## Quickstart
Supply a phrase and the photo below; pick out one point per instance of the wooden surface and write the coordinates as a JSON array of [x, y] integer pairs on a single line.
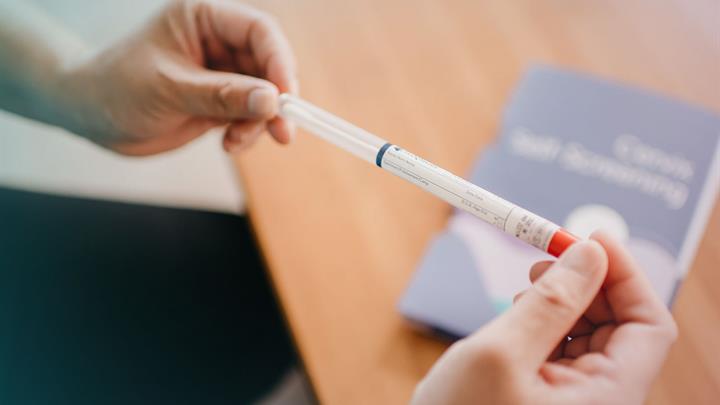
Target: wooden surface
[[342, 238]]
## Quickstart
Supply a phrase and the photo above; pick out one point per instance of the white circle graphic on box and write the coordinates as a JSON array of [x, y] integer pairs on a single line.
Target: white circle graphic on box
[[585, 219]]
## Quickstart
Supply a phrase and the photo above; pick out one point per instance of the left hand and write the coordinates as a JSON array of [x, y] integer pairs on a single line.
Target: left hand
[[197, 65]]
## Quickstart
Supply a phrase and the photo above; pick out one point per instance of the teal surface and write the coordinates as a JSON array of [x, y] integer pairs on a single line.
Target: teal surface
[[105, 303]]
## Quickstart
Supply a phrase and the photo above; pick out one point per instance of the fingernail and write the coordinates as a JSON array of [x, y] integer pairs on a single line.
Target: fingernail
[[237, 142], [236, 136], [582, 257], [262, 102], [236, 147]]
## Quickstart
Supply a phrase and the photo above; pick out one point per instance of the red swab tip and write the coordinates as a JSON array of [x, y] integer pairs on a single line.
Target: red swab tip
[[561, 241]]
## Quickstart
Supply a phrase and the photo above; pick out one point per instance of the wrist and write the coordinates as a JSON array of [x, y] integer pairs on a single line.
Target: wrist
[[75, 98]]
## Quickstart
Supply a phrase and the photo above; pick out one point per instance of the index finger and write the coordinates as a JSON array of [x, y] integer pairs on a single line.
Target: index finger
[[241, 27], [628, 290], [646, 329]]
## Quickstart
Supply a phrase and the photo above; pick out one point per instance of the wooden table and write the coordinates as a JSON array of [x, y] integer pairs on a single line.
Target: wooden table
[[342, 239]]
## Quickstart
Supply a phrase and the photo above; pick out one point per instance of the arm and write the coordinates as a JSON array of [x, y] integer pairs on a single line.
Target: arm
[[35, 51], [195, 66]]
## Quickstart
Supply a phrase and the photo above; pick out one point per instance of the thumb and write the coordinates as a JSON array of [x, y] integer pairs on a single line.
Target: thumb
[[549, 309], [229, 96]]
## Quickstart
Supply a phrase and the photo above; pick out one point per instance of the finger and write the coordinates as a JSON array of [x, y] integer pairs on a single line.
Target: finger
[[577, 347], [555, 373], [581, 327], [593, 363], [539, 268], [248, 141], [216, 53], [225, 95], [600, 337], [245, 63], [281, 130], [646, 329], [599, 311], [242, 135], [224, 66], [554, 303], [557, 353], [240, 25], [629, 293], [564, 362]]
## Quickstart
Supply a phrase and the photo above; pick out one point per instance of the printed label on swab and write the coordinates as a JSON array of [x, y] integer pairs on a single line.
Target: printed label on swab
[[506, 216], [459, 192]]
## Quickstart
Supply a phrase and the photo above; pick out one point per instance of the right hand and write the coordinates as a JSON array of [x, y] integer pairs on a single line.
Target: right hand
[[596, 295]]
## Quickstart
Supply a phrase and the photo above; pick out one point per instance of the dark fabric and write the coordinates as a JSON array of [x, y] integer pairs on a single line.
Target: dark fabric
[[110, 303]]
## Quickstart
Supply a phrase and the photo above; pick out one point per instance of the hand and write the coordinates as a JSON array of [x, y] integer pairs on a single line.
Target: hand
[[197, 65], [589, 330]]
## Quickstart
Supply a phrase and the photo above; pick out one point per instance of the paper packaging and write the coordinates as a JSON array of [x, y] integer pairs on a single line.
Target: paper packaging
[[584, 153]]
